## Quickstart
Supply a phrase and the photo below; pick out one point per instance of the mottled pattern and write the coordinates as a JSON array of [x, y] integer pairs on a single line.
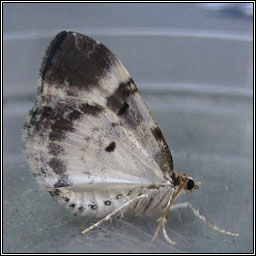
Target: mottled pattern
[[55, 149], [90, 127], [117, 100], [57, 165]]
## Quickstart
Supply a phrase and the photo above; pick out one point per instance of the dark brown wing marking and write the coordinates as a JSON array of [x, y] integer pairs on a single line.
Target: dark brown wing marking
[[76, 59]]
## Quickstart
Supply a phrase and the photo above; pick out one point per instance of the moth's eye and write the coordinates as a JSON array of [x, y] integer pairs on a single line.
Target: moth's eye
[[190, 184]]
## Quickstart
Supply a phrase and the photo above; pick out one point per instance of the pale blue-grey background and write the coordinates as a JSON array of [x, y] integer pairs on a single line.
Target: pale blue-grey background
[[194, 69]]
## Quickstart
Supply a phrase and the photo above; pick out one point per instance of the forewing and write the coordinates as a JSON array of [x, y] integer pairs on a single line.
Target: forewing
[[90, 124]]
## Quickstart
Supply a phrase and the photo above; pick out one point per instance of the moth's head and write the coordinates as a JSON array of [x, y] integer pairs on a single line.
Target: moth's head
[[189, 184]]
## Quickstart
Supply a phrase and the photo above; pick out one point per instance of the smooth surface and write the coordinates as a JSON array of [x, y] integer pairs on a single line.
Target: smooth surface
[[200, 92]]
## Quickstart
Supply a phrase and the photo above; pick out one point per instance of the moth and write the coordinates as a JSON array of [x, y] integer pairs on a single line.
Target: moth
[[91, 141]]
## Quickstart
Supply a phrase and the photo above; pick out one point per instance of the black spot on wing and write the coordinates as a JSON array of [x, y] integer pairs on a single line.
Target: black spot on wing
[[119, 196], [76, 59], [57, 165], [107, 203], [123, 109], [93, 206], [111, 147]]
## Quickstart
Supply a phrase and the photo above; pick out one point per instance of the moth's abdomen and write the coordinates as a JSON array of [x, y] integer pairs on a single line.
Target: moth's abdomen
[[98, 201], [155, 203]]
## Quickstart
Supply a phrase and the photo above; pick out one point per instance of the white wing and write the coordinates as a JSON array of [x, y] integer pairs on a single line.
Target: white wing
[[90, 124]]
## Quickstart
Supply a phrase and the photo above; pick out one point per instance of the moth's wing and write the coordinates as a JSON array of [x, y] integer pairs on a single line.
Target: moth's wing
[[90, 124]]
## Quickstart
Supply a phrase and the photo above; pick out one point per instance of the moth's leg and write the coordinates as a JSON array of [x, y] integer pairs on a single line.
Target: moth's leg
[[165, 234], [118, 210], [162, 221], [201, 217], [120, 215]]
